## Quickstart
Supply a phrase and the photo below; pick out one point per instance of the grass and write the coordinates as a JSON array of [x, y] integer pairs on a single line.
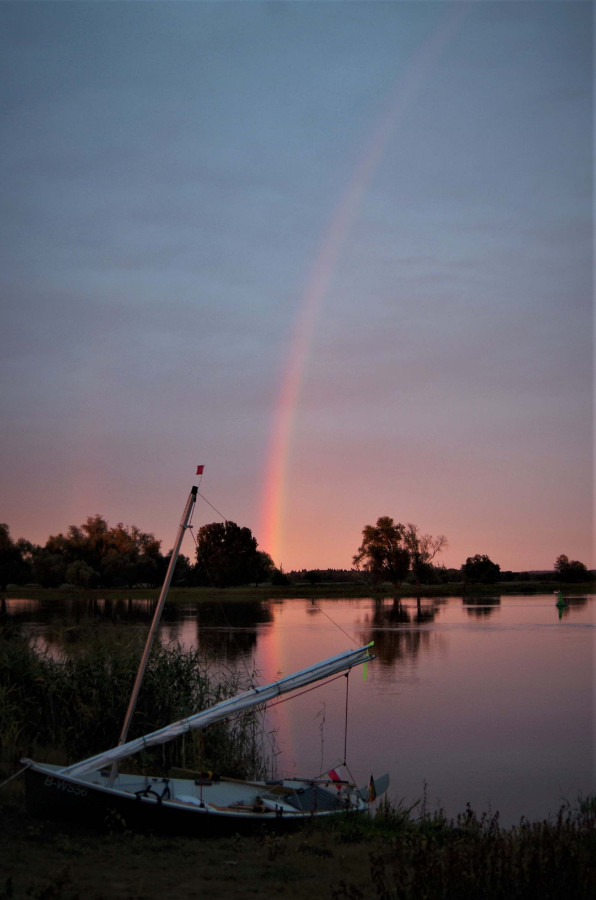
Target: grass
[[393, 855], [327, 590], [308, 591]]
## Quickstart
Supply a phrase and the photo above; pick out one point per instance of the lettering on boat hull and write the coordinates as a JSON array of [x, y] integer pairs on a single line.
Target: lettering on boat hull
[[59, 785]]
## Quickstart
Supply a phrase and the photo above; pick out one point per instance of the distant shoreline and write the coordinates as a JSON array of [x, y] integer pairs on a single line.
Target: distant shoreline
[[329, 591]]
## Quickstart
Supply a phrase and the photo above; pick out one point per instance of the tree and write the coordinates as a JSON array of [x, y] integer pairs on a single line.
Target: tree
[[423, 548], [279, 577], [97, 555], [265, 567], [14, 559], [314, 576], [480, 569], [227, 555], [570, 570], [80, 574], [383, 551], [49, 567]]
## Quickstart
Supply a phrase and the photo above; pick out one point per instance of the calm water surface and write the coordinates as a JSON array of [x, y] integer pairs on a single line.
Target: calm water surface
[[489, 702]]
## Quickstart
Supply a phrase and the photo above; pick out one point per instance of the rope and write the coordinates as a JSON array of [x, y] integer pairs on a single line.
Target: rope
[[16, 775], [337, 625], [351, 637], [315, 687], [346, 720], [250, 675], [225, 518], [190, 527]]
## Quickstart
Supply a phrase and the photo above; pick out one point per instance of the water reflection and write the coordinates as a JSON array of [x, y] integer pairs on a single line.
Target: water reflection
[[393, 627], [481, 606], [391, 646], [485, 699], [564, 605], [226, 630], [233, 626]]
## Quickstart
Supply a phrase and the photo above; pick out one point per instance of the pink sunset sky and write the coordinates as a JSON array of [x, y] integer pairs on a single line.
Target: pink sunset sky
[[340, 254]]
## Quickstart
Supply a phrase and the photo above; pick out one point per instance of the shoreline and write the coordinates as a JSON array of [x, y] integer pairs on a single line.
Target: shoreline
[[305, 591]]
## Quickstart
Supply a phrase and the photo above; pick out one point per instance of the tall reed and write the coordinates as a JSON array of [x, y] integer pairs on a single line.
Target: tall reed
[[472, 857], [73, 706]]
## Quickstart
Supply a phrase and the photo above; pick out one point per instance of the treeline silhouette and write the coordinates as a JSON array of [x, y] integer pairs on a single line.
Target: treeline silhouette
[[92, 555], [95, 555]]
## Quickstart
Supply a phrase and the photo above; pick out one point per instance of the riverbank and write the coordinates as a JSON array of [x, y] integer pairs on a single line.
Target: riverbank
[[308, 591], [391, 856]]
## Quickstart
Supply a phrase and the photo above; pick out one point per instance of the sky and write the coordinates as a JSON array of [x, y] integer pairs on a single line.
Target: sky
[[339, 253]]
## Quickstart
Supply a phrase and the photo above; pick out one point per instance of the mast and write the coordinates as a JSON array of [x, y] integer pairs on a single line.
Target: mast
[[155, 623]]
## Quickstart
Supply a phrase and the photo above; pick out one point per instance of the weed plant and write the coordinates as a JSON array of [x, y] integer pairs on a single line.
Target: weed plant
[[471, 857], [72, 707]]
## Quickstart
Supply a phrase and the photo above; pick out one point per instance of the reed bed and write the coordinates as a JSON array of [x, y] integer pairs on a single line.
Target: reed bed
[[70, 706], [471, 857]]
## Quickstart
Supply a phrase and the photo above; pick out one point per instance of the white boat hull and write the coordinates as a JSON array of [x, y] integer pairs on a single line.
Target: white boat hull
[[183, 805]]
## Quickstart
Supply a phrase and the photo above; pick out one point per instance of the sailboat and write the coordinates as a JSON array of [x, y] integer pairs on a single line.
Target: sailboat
[[96, 792]]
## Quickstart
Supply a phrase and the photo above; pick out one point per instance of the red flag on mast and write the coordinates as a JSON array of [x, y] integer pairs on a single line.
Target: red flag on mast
[[200, 470]]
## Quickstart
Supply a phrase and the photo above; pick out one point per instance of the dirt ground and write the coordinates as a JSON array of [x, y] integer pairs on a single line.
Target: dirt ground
[[45, 860]]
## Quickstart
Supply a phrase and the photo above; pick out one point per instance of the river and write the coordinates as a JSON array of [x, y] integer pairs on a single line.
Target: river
[[486, 701]]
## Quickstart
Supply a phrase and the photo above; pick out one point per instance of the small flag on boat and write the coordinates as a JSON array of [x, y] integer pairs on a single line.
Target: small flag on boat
[[372, 791], [333, 775], [200, 470]]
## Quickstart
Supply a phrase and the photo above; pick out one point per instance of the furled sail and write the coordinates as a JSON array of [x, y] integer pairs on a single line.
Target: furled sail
[[227, 708]]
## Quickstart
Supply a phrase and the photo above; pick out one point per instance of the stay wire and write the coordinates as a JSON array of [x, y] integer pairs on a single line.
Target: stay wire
[[224, 518], [337, 625], [347, 674], [250, 675], [351, 637], [315, 687], [346, 719], [196, 543], [16, 775]]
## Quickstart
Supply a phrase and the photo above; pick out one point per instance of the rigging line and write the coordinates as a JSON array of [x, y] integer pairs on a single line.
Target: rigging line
[[315, 687], [337, 625], [16, 775], [350, 774], [251, 676], [201, 559], [271, 704], [225, 519], [346, 720], [196, 543]]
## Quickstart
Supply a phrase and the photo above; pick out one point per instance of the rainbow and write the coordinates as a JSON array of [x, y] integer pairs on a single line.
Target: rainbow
[[402, 96]]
